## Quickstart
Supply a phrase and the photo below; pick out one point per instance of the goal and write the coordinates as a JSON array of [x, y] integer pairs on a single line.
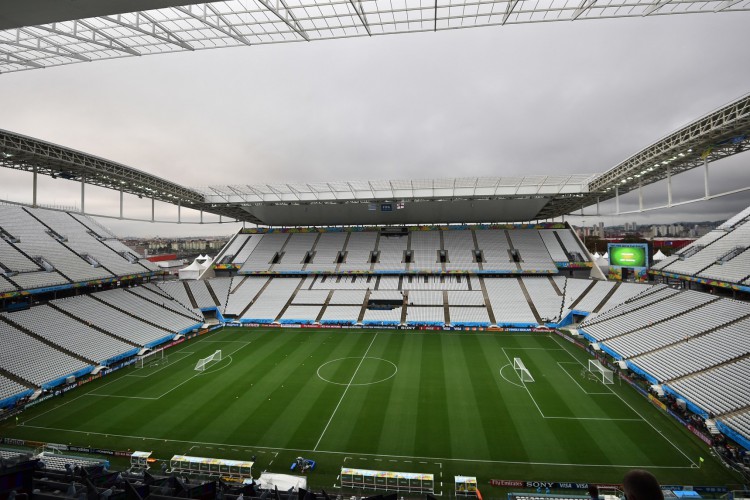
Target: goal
[[205, 362], [523, 373], [152, 358], [602, 373]]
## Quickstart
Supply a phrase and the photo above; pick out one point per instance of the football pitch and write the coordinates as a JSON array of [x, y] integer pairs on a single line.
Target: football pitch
[[446, 403]]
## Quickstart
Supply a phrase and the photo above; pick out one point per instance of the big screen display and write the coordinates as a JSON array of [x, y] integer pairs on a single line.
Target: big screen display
[[631, 255]]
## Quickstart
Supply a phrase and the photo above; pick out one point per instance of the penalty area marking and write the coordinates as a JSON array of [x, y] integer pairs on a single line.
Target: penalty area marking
[[321, 377], [212, 370], [507, 379], [561, 363], [692, 463], [166, 364]]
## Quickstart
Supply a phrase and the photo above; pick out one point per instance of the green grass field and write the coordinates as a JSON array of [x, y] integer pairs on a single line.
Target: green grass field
[[436, 402]]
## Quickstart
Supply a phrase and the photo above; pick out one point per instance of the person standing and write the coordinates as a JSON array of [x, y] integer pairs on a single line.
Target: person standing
[[641, 485]]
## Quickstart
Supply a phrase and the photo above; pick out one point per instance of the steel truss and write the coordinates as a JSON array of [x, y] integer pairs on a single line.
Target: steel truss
[[719, 134], [257, 22]]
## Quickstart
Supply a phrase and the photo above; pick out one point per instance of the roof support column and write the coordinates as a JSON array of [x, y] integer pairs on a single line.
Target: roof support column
[[152, 209], [640, 196], [179, 212], [705, 177], [617, 200], [669, 186], [597, 206], [201, 216], [121, 203], [83, 194], [34, 188]]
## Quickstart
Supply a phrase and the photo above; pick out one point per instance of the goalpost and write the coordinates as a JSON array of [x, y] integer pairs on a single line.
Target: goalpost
[[203, 363], [601, 372], [523, 373], [153, 357]]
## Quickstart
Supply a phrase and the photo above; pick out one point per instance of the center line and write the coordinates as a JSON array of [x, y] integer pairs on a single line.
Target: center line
[[345, 391]]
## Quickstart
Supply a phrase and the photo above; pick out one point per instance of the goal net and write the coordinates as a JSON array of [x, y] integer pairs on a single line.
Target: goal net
[[205, 362], [152, 358], [601, 372], [523, 373]]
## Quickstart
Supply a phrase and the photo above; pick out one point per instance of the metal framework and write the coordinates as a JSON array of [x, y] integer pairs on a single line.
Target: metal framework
[[411, 190], [717, 135], [256, 22], [721, 133]]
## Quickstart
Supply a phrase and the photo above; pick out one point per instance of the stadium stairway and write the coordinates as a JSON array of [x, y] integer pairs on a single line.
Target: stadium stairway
[[511, 249], [19, 250], [641, 295], [212, 293], [48, 342], [580, 297], [446, 308], [664, 320], [375, 249], [291, 298], [186, 313], [260, 292], [692, 337], [17, 379], [709, 368], [442, 249], [325, 305], [237, 282], [98, 234], [607, 296], [404, 307], [534, 311], [93, 327], [40, 221], [555, 287], [193, 302], [343, 252], [364, 307], [158, 291], [312, 252], [733, 413], [281, 251], [93, 296], [561, 314], [408, 264], [487, 301], [12, 243], [479, 264]]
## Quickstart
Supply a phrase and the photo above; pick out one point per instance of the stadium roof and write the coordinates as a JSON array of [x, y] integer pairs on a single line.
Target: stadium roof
[[719, 134], [43, 33], [716, 135], [467, 199]]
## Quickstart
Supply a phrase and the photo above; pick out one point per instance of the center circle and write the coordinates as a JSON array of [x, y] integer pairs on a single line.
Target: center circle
[[357, 371]]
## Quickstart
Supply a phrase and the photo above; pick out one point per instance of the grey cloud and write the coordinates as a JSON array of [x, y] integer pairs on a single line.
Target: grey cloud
[[533, 99]]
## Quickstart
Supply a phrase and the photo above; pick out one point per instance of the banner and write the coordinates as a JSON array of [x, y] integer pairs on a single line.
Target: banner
[[656, 402], [560, 485]]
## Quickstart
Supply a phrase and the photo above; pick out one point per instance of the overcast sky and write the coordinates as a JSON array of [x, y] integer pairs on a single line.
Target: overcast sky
[[563, 97]]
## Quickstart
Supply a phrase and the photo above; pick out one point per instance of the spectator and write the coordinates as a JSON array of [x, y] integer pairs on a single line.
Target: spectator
[[593, 492], [641, 485]]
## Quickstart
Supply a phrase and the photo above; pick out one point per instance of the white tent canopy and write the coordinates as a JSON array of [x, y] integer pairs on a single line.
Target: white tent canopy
[[659, 256], [191, 272]]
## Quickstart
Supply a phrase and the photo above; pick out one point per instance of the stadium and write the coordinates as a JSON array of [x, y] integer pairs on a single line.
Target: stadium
[[415, 337]]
